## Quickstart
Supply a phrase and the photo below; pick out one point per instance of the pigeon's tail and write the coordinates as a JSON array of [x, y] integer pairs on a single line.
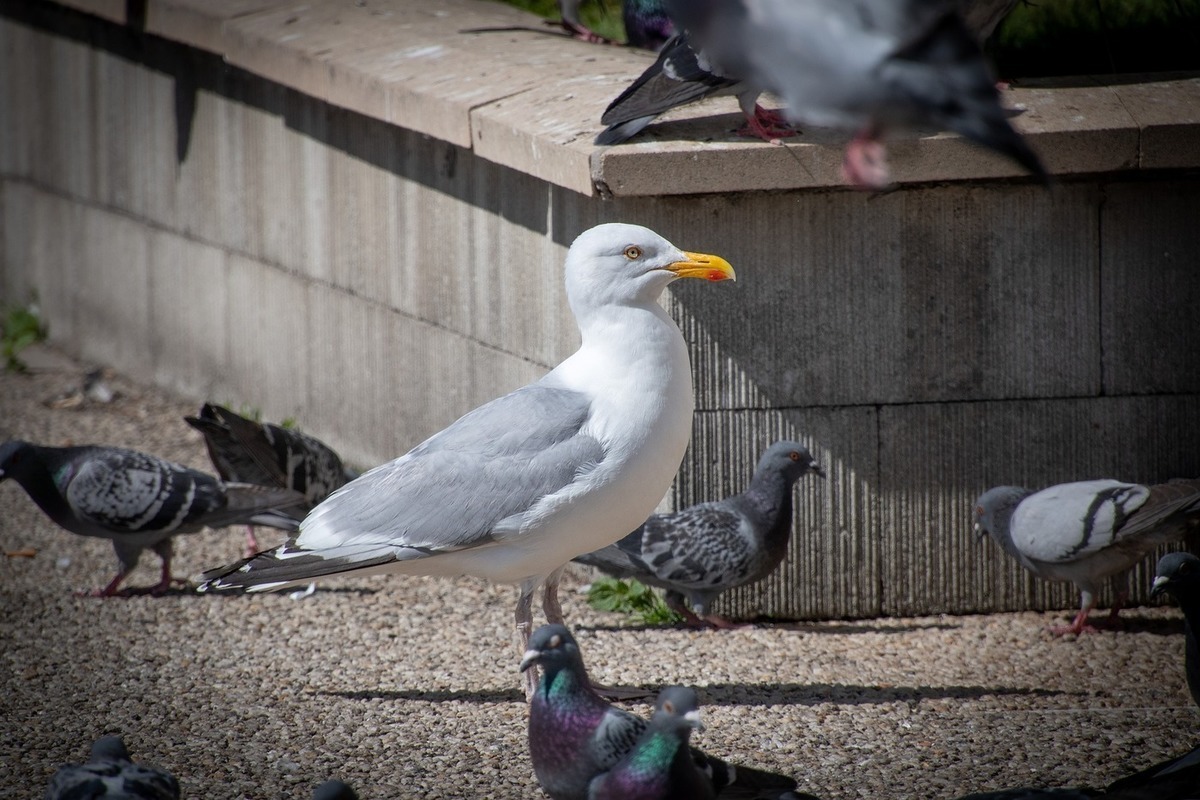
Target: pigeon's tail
[[742, 783], [616, 562], [290, 565], [264, 505], [615, 134]]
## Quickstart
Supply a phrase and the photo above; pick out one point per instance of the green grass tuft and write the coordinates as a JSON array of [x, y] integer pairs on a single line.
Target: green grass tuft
[[631, 597], [22, 327]]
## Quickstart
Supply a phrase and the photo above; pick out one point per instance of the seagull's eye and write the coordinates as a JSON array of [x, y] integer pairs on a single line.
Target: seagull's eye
[[794, 456], [633, 252]]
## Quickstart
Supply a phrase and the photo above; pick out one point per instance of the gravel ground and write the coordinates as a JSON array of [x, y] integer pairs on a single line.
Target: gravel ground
[[407, 687]]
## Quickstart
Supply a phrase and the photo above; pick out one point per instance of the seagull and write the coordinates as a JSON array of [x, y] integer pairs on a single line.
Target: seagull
[[659, 766], [135, 499], [683, 74], [710, 548], [111, 774], [1086, 531], [863, 65], [246, 451], [518, 487], [575, 735]]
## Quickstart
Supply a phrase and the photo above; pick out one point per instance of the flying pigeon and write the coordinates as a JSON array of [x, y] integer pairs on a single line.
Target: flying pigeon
[[334, 790], [659, 766], [111, 774], [864, 65], [1178, 574], [1087, 531], [647, 23], [246, 451], [518, 487], [575, 735], [710, 548], [135, 499], [681, 75]]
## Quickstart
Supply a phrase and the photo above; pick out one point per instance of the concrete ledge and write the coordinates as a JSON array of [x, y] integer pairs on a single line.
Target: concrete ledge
[[486, 76]]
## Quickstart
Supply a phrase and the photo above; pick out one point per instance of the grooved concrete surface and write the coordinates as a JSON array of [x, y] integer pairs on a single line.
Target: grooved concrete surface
[[231, 237]]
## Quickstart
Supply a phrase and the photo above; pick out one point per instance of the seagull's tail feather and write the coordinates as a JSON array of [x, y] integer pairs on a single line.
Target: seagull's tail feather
[[286, 566]]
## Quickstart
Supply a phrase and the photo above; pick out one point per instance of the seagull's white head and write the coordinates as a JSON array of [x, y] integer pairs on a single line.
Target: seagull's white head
[[619, 264]]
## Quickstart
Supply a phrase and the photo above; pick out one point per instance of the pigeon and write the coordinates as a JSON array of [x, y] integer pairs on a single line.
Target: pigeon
[[1086, 531], [111, 774], [1178, 574], [572, 23], [334, 790], [864, 65], [681, 75], [647, 23], [575, 735], [246, 451], [136, 499], [710, 548], [518, 487], [659, 766]]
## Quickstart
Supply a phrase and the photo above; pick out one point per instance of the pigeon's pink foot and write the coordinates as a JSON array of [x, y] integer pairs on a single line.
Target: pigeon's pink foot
[[110, 590], [252, 548], [163, 586], [584, 34], [865, 164], [769, 126], [721, 623], [1078, 625]]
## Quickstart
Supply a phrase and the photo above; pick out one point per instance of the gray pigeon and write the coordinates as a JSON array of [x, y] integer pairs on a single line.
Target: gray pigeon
[[659, 766], [245, 451], [709, 548], [864, 65], [111, 774], [575, 735], [1087, 531], [135, 499], [1178, 574], [334, 790]]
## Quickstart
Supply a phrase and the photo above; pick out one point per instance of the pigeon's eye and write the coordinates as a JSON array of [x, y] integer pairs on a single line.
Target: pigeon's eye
[[633, 252], [794, 456], [979, 511], [668, 707]]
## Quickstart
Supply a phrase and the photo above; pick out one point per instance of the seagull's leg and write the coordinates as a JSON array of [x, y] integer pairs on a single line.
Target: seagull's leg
[[865, 163], [524, 620], [252, 547], [550, 605]]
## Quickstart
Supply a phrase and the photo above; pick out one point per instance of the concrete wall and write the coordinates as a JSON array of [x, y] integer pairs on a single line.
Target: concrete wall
[[197, 225]]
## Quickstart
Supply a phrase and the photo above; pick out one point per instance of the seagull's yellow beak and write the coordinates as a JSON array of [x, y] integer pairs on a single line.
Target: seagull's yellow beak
[[700, 265]]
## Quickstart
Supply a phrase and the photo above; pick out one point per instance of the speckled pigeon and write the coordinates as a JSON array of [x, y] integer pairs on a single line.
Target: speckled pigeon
[[135, 499], [334, 790], [864, 65], [111, 774], [1087, 531], [682, 74], [709, 548], [659, 766], [575, 735], [246, 451]]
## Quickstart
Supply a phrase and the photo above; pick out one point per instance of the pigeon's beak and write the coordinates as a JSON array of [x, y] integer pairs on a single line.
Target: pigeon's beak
[[700, 265], [1159, 586], [529, 659], [979, 531], [817, 470], [693, 719]]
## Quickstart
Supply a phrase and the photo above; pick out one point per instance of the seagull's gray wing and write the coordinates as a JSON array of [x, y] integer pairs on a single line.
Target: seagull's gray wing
[[476, 481], [1072, 520]]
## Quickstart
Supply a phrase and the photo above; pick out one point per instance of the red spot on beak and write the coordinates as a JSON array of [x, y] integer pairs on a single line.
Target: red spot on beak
[[716, 275]]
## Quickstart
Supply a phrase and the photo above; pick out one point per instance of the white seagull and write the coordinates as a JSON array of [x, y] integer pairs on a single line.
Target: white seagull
[[518, 487]]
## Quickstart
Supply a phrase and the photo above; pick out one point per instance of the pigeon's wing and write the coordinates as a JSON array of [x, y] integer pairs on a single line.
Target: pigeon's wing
[[238, 447], [679, 76], [1072, 520], [120, 781], [1178, 498], [124, 490], [505, 464], [701, 547], [310, 466], [615, 736]]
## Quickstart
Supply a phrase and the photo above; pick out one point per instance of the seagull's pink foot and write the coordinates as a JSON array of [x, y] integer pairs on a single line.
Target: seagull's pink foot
[[865, 164], [252, 548]]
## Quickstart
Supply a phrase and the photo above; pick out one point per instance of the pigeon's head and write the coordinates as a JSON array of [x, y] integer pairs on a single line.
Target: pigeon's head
[[678, 707], [618, 264], [13, 457], [1177, 574], [334, 790], [552, 647], [109, 748], [790, 459], [994, 508]]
